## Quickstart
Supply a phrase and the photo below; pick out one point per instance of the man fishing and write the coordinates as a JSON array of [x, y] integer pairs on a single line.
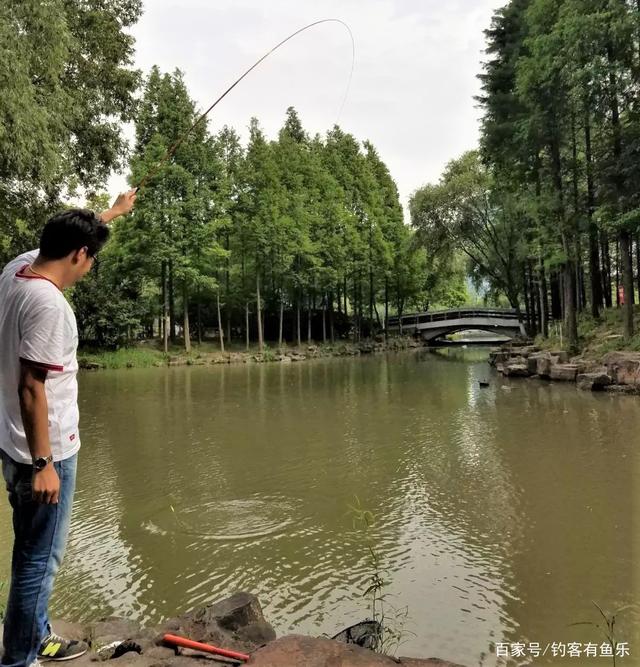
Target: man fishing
[[39, 439]]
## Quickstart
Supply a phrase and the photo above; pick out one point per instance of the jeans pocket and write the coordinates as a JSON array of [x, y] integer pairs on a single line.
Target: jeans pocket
[[8, 470], [17, 477]]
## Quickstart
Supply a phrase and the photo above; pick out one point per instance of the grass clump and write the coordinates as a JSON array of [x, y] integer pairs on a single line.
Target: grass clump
[[126, 357]]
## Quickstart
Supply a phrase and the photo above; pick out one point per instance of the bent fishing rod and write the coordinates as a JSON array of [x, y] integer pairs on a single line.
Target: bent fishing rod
[[174, 147]]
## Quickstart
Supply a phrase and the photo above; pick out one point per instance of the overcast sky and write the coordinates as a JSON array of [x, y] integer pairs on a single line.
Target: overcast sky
[[413, 84]]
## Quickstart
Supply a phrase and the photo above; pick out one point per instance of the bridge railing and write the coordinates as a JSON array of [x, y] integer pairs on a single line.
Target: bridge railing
[[454, 314]]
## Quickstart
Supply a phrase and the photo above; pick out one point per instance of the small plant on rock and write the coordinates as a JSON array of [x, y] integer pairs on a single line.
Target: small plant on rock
[[390, 621]]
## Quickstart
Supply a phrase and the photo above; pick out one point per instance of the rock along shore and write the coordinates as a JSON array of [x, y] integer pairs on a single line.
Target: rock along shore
[[616, 372], [236, 623]]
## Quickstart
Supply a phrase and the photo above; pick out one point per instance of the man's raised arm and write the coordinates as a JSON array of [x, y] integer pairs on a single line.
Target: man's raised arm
[[121, 206]]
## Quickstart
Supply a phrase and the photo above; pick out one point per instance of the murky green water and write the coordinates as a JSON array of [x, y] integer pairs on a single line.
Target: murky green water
[[503, 512]]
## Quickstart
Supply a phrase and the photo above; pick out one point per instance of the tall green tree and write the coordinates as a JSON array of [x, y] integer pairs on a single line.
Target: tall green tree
[[66, 87]]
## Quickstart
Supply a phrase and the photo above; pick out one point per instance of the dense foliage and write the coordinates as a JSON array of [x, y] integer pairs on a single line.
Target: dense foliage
[[291, 238], [288, 239], [66, 85], [548, 209]]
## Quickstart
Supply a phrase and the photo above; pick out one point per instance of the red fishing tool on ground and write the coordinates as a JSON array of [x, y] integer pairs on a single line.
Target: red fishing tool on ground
[[183, 642]]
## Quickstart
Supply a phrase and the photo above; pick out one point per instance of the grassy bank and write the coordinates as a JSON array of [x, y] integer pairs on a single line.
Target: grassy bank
[[126, 357], [597, 337], [149, 353]]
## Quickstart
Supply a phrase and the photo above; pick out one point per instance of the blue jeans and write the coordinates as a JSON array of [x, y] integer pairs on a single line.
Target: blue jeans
[[40, 537]]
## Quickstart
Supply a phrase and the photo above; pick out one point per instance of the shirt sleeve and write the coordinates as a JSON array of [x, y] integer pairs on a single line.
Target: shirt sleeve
[[42, 337]]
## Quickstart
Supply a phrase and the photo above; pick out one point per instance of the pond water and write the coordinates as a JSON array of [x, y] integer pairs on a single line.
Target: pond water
[[502, 513]]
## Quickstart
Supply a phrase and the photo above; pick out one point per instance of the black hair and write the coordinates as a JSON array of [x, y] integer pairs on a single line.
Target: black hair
[[71, 230]]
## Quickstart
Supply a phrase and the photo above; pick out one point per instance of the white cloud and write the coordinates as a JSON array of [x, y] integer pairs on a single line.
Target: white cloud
[[413, 84]]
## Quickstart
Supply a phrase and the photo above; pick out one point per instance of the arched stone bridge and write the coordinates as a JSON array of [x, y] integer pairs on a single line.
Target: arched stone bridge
[[439, 323]]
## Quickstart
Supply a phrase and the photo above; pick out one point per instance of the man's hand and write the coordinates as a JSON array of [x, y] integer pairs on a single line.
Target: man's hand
[[46, 486], [121, 206]]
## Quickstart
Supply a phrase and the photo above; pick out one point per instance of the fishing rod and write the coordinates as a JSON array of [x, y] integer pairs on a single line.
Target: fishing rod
[[172, 149]]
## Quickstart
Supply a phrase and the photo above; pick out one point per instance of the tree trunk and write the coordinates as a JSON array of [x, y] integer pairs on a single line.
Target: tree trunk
[[386, 308], [556, 296], [344, 293], [259, 313], [309, 313], [624, 236], [595, 277], [165, 310], [220, 330], [371, 294], [246, 325], [199, 317], [533, 302], [618, 302], [331, 330], [638, 259], [606, 269], [570, 321], [544, 301], [227, 306], [577, 212], [355, 306], [187, 334], [627, 283], [324, 319], [298, 330], [281, 320], [172, 306], [527, 300]]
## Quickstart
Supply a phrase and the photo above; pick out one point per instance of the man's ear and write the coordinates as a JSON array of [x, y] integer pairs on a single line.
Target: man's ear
[[77, 255]]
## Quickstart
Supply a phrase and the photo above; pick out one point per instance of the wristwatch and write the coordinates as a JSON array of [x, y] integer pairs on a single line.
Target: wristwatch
[[41, 462]]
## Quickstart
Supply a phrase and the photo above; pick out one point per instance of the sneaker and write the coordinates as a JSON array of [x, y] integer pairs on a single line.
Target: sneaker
[[57, 648]]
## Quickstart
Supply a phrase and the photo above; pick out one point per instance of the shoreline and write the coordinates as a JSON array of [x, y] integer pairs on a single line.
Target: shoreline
[[616, 372], [146, 355], [236, 623]]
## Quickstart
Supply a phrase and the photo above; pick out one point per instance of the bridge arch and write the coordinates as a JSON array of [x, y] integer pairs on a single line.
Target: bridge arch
[[432, 325]]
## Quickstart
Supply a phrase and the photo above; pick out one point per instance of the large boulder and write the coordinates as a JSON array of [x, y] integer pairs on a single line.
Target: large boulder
[[497, 357], [236, 623], [559, 356], [623, 367], [539, 363], [594, 381], [296, 651], [564, 372], [516, 369]]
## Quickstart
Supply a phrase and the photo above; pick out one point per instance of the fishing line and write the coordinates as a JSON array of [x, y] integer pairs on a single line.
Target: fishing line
[[172, 149]]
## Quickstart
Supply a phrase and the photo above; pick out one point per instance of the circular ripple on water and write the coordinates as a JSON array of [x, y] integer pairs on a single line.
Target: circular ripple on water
[[240, 519]]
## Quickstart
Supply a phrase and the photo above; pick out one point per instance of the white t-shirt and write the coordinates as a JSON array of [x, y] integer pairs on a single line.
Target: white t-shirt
[[38, 327]]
